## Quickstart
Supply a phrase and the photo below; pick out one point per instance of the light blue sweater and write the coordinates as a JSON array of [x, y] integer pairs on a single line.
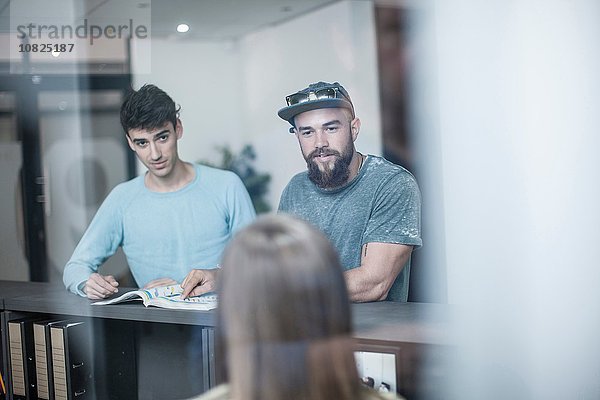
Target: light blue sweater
[[163, 234]]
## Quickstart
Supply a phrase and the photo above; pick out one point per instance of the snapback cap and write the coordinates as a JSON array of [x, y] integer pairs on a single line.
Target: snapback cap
[[315, 96]]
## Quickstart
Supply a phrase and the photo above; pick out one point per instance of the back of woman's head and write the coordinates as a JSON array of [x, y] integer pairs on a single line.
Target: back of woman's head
[[283, 295]]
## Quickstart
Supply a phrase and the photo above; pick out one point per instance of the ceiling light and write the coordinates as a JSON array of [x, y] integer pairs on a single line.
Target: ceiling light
[[183, 28]]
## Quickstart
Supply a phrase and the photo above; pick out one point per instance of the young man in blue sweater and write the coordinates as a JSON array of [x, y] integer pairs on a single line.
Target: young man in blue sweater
[[172, 223]]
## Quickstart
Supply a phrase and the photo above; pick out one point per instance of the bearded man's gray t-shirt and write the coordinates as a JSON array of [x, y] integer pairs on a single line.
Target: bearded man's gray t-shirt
[[381, 204]]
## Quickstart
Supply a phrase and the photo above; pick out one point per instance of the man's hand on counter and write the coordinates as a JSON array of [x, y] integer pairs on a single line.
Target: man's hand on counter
[[100, 286], [160, 282], [199, 281]]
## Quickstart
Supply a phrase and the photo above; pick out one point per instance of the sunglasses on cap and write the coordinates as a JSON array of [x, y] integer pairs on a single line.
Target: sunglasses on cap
[[327, 93]]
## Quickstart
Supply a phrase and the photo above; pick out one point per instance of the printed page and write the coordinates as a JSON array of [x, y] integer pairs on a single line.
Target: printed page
[[205, 302], [166, 297], [123, 297], [162, 291], [144, 294]]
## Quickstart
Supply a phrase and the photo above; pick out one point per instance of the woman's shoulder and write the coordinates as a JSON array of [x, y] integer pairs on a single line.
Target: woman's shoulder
[[371, 394], [220, 392]]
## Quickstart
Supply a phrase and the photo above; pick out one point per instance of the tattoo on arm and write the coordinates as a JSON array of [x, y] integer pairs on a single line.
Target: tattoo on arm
[[366, 245]]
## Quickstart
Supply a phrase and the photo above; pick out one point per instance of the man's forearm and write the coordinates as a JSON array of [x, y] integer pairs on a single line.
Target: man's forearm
[[74, 275], [364, 287], [379, 268]]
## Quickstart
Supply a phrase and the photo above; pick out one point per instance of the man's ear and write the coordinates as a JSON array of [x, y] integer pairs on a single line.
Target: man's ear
[[179, 129], [130, 142], [355, 128]]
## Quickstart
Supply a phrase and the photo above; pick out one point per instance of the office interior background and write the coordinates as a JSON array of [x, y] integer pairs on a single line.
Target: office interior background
[[492, 105]]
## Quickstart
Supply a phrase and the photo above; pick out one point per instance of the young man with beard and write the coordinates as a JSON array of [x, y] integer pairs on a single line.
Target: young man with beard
[[368, 207], [173, 222]]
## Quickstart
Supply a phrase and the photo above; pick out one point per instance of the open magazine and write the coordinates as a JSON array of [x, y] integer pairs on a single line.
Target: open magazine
[[166, 297]]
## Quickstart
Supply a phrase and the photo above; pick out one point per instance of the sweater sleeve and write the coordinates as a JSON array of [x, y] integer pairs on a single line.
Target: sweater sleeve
[[101, 240], [239, 204]]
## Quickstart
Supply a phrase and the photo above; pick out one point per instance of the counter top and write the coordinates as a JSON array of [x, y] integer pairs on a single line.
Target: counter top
[[11, 289], [388, 321], [53, 300], [425, 323]]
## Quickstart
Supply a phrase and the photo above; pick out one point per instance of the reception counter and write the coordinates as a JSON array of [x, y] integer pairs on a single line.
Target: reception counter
[[413, 332]]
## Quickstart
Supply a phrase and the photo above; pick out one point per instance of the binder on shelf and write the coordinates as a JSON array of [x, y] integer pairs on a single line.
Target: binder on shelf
[[22, 358], [209, 371], [115, 369], [43, 358], [3, 360], [2, 386], [72, 360]]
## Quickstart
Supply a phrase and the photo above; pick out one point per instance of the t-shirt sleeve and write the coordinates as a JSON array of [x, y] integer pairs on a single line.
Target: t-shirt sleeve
[[241, 209], [396, 216], [284, 205], [101, 240]]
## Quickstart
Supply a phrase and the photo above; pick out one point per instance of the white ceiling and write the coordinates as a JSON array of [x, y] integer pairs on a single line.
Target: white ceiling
[[208, 19]]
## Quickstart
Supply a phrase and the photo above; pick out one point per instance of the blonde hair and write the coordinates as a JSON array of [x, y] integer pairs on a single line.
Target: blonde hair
[[284, 315]]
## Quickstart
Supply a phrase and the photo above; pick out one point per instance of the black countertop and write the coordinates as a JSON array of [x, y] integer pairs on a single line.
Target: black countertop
[[387, 321]]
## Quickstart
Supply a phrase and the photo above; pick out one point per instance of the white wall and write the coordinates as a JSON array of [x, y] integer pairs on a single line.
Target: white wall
[[230, 92], [202, 78], [518, 95], [335, 43]]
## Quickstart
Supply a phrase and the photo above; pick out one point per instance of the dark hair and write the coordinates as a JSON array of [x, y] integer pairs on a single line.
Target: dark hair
[[148, 108], [284, 316]]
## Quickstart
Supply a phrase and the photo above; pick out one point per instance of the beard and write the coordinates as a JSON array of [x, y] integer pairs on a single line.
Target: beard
[[334, 177]]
